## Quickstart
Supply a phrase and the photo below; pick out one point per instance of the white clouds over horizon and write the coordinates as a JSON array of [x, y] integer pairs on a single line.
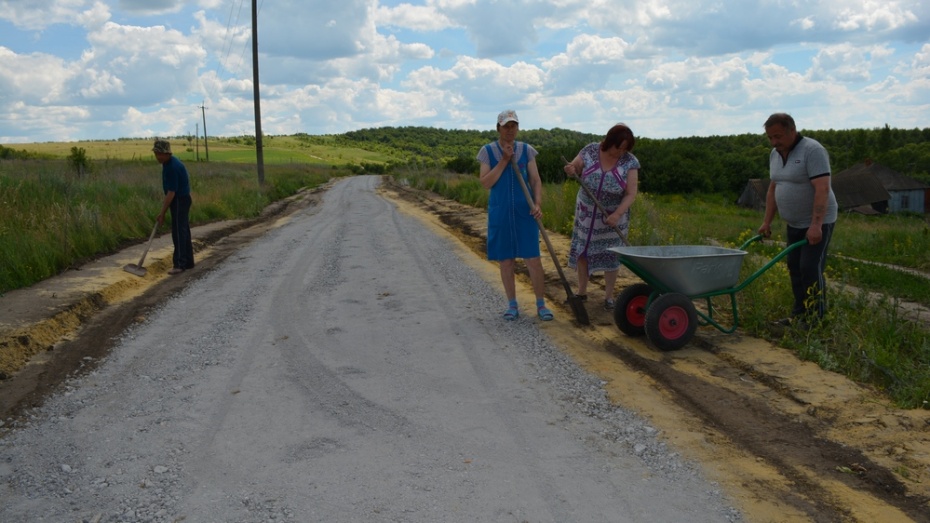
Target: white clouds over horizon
[[100, 69]]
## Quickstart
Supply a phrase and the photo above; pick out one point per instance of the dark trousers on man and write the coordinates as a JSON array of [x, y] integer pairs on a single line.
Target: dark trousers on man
[[806, 266], [181, 232]]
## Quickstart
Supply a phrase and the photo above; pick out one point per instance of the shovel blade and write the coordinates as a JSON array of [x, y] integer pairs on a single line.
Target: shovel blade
[[581, 314], [132, 268]]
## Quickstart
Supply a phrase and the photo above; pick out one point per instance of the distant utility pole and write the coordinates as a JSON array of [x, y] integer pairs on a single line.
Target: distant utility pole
[[259, 154], [197, 141], [206, 149]]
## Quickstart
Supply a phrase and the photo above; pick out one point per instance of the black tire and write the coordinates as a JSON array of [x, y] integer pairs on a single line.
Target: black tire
[[630, 309], [671, 321]]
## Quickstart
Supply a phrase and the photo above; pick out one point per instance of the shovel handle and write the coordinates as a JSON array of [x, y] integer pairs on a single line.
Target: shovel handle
[[149, 244], [599, 207], [542, 230]]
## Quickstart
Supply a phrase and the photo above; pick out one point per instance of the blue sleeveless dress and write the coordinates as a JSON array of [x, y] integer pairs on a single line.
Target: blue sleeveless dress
[[512, 230]]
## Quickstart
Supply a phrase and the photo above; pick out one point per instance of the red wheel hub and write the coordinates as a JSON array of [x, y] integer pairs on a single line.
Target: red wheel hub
[[673, 323], [636, 311]]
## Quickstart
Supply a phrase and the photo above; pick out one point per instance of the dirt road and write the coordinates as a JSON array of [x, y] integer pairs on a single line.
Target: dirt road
[[345, 366], [347, 363]]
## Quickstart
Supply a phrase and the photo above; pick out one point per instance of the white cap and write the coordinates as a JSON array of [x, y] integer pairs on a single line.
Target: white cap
[[507, 116]]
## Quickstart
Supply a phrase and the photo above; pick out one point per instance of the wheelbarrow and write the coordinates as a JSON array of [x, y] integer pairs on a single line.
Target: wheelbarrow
[[675, 277]]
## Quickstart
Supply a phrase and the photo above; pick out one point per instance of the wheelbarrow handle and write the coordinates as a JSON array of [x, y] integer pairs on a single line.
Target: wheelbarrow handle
[[756, 238], [759, 238]]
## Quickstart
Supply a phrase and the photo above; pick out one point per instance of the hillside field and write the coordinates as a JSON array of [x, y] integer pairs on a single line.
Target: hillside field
[[277, 150]]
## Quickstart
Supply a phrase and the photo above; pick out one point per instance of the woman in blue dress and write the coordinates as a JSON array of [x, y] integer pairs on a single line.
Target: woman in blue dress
[[610, 171], [513, 231]]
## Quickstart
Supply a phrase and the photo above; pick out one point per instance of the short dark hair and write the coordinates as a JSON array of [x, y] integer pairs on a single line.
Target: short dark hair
[[783, 119], [616, 136]]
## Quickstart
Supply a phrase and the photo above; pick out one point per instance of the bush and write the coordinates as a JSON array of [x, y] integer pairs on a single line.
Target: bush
[[78, 160]]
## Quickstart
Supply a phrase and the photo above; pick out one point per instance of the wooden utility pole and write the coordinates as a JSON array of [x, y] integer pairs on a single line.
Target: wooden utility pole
[[197, 135], [259, 154], [206, 150]]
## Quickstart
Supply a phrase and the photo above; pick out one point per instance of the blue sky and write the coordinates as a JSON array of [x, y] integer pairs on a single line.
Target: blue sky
[[104, 69]]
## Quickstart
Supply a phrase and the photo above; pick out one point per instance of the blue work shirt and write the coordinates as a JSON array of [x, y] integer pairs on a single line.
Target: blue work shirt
[[174, 177]]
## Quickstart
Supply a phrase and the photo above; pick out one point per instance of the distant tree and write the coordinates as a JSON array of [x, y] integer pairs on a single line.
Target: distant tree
[[78, 160], [8, 153]]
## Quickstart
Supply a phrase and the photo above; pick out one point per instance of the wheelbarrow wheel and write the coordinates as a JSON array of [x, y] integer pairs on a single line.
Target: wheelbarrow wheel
[[671, 321], [630, 309]]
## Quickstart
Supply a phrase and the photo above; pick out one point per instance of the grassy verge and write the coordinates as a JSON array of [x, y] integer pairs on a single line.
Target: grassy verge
[[50, 218], [863, 337]]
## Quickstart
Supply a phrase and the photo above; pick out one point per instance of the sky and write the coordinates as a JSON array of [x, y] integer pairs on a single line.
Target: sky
[[106, 69]]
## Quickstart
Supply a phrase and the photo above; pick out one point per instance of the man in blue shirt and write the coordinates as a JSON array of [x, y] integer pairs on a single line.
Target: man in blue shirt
[[800, 191], [177, 187]]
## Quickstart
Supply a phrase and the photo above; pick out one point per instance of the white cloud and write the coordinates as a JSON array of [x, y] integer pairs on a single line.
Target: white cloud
[[39, 14], [497, 28], [32, 80], [151, 7], [316, 29], [413, 17], [881, 15], [699, 75], [805, 24], [920, 65], [667, 67], [842, 62], [148, 64], [590, 62]]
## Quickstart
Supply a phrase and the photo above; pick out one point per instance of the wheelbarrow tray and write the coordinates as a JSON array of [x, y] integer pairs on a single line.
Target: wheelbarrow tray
[[691, 270]]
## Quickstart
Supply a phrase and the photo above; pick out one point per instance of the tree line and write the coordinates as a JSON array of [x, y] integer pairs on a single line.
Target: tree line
[[689, 165], [712, 164]]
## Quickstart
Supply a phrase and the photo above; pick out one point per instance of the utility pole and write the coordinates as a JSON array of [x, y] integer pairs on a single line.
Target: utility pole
[[206, 149], [197, 141], [259, 154]]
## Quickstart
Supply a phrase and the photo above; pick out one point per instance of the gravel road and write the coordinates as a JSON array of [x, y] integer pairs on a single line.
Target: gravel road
[[347, 366]]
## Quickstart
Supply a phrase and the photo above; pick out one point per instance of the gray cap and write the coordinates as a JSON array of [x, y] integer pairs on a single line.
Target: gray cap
[[162, 146]]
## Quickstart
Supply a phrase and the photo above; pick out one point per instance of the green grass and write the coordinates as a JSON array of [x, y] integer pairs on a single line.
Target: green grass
[[51, 219], [276, 150], [863, 337]]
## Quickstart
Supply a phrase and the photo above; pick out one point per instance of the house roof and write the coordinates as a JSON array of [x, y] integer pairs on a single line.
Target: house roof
[[854, 188], [892, 180], [754, 193], [759, 186]]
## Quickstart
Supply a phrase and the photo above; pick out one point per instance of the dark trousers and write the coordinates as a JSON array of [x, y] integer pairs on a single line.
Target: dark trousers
[[806, 265], [181, 232]]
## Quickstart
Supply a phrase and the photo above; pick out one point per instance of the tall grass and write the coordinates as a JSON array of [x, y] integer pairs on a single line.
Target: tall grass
[[863, 336], [50, 218]]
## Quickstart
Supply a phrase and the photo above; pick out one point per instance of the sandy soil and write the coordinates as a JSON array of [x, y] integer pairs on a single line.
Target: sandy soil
[[788, 440]]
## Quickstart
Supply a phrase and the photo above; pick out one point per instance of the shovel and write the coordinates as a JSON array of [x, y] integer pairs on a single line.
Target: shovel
[[576, 303], [600, 207], [138, 269]]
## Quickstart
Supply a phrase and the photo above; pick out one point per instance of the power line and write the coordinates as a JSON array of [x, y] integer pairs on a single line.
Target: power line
[[206, 151], [223, 61]]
